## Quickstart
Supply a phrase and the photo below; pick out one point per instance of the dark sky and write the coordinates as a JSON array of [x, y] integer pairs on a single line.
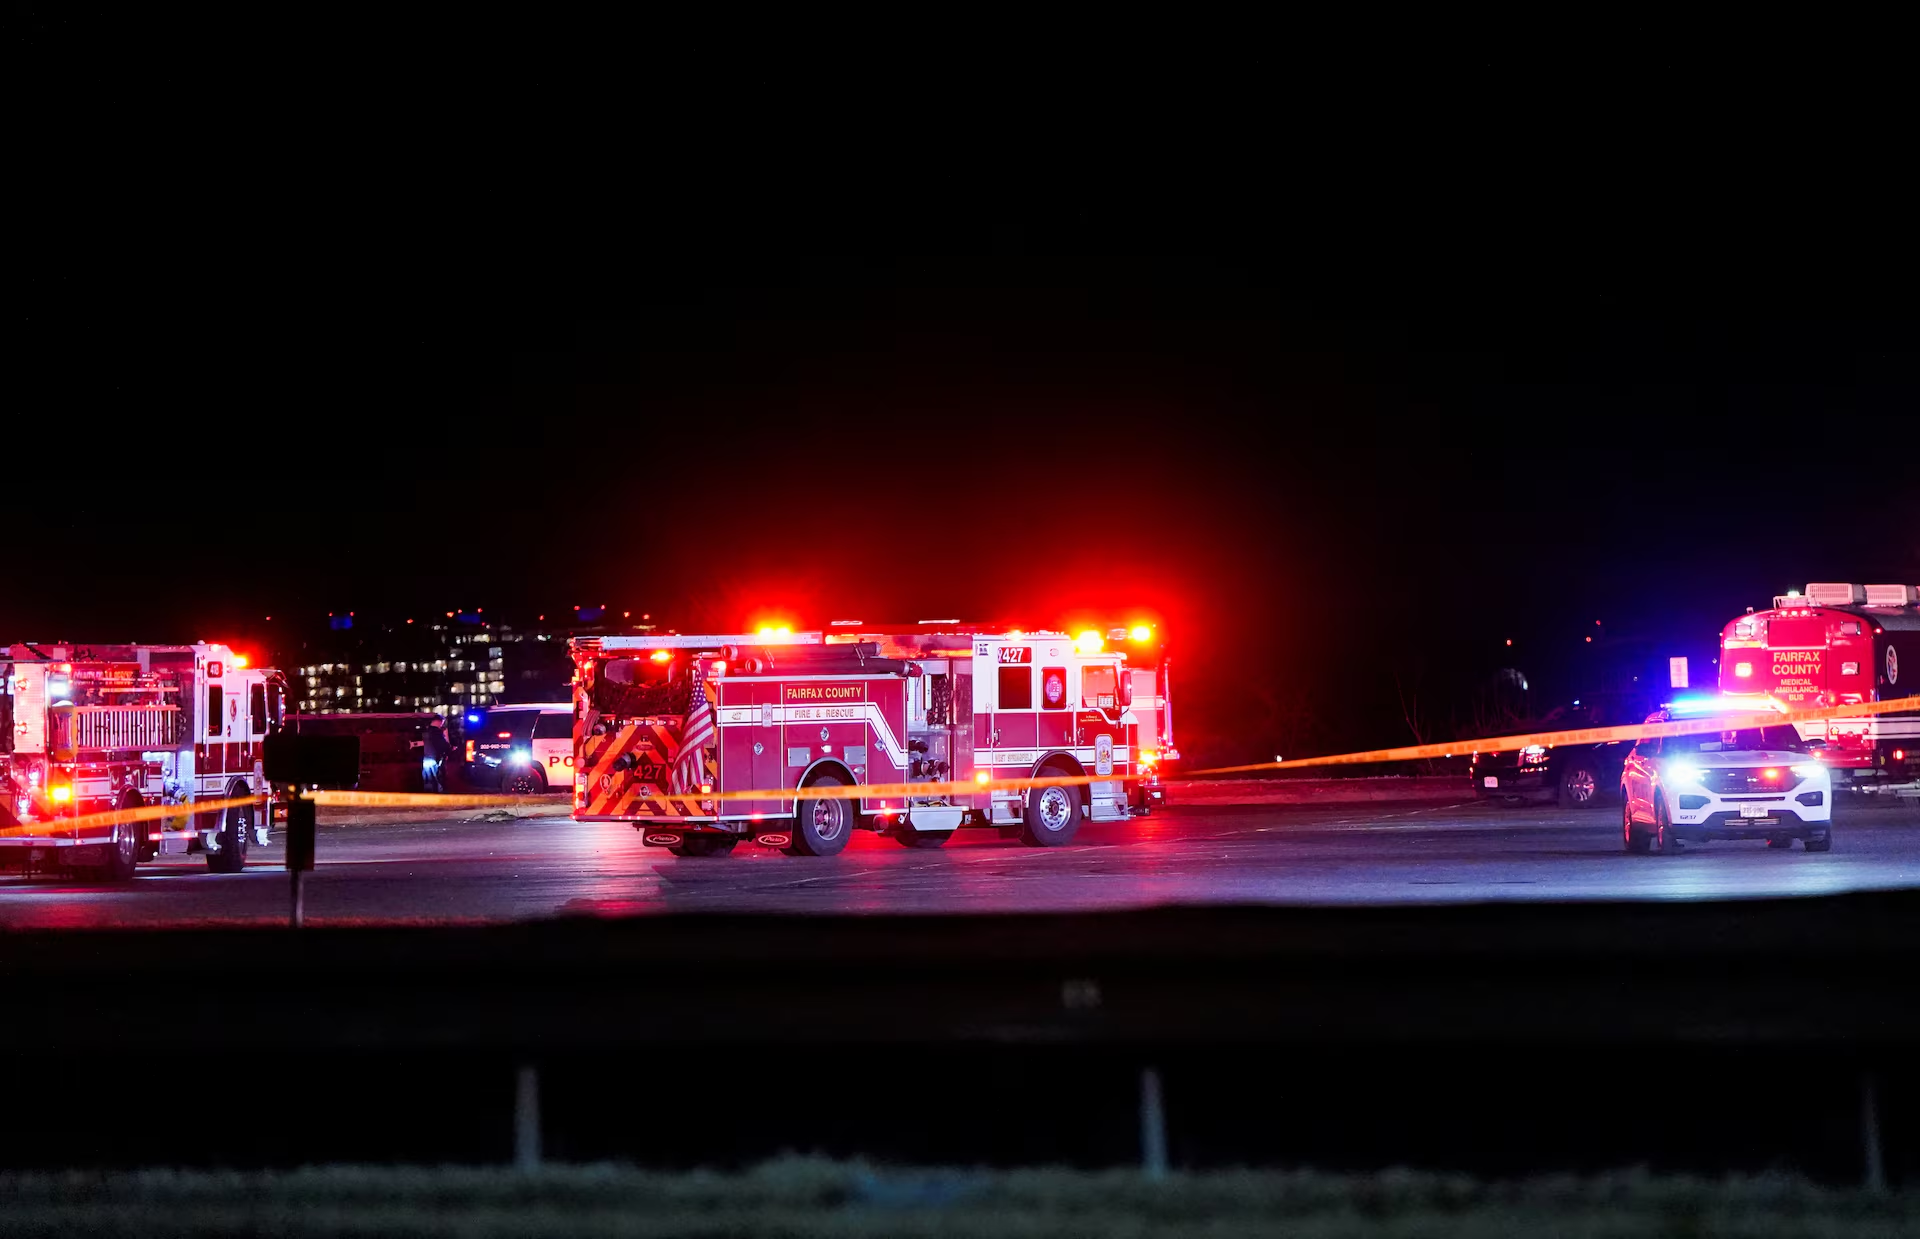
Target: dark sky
[[1325, 498]]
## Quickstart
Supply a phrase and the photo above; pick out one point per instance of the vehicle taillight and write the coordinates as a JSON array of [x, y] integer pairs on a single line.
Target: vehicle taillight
[[505, 735], [469, 750]]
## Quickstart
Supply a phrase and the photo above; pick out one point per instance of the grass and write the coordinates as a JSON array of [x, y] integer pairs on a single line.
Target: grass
[[800, 1198]]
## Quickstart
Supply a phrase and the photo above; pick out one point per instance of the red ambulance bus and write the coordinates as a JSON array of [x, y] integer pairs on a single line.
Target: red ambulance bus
[[1836, 644]]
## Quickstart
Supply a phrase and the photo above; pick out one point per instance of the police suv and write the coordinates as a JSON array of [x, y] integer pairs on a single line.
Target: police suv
[[523, 750], [1740, 783]]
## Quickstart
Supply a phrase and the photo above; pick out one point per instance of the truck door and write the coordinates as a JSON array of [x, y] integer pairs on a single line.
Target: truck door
[[961, 718], [1013, 725]]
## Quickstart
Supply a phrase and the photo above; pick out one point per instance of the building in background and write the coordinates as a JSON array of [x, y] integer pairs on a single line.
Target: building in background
[[445, 666]]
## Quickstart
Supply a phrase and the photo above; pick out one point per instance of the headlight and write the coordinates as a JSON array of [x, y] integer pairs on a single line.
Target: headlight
[[1684, 772], [519, 757], [1806, 770]]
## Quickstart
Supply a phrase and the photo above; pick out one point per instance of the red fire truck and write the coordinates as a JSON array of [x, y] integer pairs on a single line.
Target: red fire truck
[[85, 729], [1836, 644], [661, 722]]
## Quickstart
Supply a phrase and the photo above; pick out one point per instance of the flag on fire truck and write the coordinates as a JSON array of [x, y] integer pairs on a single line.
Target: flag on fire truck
[[690, 771]]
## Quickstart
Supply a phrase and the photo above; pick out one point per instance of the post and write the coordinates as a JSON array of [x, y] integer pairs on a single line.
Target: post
[[1876, 1171], [301, 829], [526, 1119], [1153, 1126]]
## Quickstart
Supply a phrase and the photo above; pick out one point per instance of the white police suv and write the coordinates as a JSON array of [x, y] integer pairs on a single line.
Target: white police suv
[[525, 750], [1739, 783]]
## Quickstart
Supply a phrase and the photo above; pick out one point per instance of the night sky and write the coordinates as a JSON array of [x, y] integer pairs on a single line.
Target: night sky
[[1332, 491]]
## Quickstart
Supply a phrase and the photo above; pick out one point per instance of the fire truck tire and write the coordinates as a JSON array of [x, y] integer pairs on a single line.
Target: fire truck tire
[[822, 826], [704, 845], [529, 782], [148, 849], [123, 856], [1053, 815], [236, 833]]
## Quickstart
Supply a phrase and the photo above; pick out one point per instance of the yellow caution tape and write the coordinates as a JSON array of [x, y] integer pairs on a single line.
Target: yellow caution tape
[[64, 827], [971, 787], [1586, 735]]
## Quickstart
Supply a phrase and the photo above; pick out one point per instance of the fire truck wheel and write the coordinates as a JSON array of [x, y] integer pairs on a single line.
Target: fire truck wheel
[[145, 848], [124, 854], [526, 781], [1053, 816], [822, 826], [236, 833], [704, 845]]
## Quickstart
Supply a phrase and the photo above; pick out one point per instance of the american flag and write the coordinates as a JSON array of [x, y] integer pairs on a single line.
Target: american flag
[[690, 771]]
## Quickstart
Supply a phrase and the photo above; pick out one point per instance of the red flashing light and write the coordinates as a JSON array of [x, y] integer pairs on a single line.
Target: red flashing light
[[1899, 755], [1140, 632], [240, 660], [661, 656], [719, 666], [982, 777], [1770, 774], [1509, 640], [706, 789], [60, 793], [505, 735]]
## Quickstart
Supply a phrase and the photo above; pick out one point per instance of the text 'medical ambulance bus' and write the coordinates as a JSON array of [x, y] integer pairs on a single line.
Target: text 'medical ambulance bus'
[[1836, 644]]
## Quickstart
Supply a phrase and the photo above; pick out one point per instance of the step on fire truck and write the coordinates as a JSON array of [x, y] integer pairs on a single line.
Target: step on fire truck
[[86, 729], [1836, 644], [661, 723]]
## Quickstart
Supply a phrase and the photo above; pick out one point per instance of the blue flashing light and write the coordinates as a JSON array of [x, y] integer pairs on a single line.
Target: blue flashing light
[[339, 623], [473, 718], [589, 614], [469, 617], [1698, 705]]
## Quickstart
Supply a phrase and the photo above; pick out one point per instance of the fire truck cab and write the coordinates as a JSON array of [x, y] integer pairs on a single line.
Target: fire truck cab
[[1836, 644], [89, 729], [951, 712]]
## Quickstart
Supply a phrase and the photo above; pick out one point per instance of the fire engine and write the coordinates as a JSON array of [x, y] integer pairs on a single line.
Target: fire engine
[[85, 729], [662, 722], [1836, 644]]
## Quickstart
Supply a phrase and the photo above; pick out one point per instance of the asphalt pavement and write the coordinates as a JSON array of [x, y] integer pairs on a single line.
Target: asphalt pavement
[[464, 868]]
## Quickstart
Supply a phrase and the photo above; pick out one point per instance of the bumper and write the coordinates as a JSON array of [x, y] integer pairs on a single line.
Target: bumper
[[1515, 784], [1780, 823]]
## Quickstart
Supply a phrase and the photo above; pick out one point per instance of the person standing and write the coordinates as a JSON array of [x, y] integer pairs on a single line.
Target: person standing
[[433, 759]]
